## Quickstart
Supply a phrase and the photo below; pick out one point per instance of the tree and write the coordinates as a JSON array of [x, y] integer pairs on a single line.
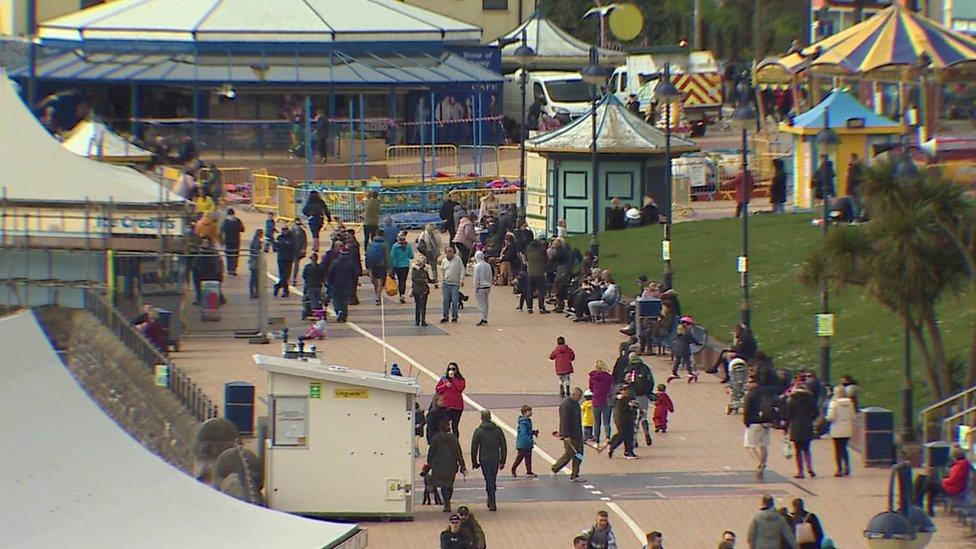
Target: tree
[[907, 258]]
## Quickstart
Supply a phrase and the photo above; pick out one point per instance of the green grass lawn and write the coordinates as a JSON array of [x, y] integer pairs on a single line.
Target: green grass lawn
[[868, 339]]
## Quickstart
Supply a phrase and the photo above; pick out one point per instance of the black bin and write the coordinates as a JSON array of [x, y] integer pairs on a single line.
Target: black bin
[[878, 436], [239, 405], [936, 454], [648, 307], [165, 317]]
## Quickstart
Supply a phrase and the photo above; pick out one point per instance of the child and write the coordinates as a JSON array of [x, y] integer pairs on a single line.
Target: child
[[521, 287], [419, 420], [561, 229], [681, 348], [269, 231], [564, 356], [316, 330], [586, 410], [524, 442], [662, 407]]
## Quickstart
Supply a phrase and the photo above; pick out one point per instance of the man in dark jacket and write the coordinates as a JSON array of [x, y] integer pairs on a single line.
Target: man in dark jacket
[[535, 265], [301, 244], [757, 426], [571, 432], [435, 414], [341, 280], [445, 459], [314, 277], [230, 231], [453, 537], [640, 379], [447, 214], [284, 246], [624, 417], [488, 451], [206, 266]]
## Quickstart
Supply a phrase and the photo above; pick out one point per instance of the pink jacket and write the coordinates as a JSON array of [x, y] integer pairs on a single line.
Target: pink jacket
[[452, 395], [564, 357], [465, 233], [600, 384]]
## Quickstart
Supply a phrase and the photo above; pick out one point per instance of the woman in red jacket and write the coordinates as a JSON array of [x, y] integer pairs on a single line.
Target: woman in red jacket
[[954, 484], [451, 387]]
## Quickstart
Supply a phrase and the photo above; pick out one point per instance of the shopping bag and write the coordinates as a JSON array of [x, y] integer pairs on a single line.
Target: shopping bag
[[787, 448], [391, 286]]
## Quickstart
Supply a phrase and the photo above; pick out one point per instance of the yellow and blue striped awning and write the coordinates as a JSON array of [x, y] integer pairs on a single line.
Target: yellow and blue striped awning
[[894, 37]]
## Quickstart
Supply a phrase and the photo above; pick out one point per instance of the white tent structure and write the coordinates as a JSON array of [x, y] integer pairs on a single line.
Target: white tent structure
[[187, 22], [95, 140], [555, 49], [72, 476], [36, 168]]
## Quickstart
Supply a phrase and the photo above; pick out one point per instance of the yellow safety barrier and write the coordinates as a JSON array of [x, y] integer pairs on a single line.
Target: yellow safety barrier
[[264, 192], [286, 203], [417, 160], [508, 161], [959, 171]]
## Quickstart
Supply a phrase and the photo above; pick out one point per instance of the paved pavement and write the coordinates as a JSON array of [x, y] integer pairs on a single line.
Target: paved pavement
[[694, 482]]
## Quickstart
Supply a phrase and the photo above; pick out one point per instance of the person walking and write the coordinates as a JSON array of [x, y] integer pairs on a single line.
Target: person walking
[[429, 245], [563, 356], [446, 213], [465, 238], [301, 245], [640, 379], [231, 229], [451, 387], [809, 531], [662, 407], [420, 290], [571, 433], [758, 425], [317, 211], [524, 442], [840, 414], [341, 281], [313, 277], [377, 261], [401, 254], [625, 411], [452, 279], [777, 189], [254, 253], [768, 529], [600, 535], [801, 411], [284, 246], [489, 451], [371, 216], [482, 285], [445, 459], [681, 349], [436, 413], [601, 385], [471, 528], [535, 267]]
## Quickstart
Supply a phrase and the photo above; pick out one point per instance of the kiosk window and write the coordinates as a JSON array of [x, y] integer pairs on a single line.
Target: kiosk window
[[290, 421]]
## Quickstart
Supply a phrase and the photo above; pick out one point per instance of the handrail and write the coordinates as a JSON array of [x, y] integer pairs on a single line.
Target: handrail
[[949, 423], [968, 396], [962, 414], [187, 392]]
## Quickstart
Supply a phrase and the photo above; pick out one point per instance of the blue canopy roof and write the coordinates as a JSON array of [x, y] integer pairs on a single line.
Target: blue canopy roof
[[841, 107]]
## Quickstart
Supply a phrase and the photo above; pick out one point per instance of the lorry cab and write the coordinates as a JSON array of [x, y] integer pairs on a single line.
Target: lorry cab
[[566, 95]]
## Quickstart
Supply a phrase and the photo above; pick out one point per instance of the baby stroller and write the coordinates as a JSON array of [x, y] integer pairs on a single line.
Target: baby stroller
[[738, 374]]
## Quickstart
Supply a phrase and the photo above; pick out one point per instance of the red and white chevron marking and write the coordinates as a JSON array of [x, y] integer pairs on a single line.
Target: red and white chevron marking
[[700, 89]]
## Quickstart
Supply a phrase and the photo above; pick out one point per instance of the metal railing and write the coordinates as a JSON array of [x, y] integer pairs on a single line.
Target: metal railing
[[934, 416], [421, 161], [949, 424], [186, 391]]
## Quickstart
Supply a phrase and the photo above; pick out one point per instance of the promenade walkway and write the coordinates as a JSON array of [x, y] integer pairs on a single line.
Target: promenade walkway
[[694, 482]]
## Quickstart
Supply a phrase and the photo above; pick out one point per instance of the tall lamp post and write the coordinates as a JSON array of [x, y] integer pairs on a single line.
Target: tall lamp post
[[743, 117], [666, 92], [596, 76], [827, 142], [523, 55], [906, 168]]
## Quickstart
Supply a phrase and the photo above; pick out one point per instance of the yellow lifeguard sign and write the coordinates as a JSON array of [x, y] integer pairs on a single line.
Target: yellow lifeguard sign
[[626, 22]]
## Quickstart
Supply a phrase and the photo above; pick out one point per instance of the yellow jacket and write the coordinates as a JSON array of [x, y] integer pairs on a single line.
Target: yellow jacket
[[587, 409]]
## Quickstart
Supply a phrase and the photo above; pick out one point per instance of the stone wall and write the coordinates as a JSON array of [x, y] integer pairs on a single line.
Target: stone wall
[[122, 385]]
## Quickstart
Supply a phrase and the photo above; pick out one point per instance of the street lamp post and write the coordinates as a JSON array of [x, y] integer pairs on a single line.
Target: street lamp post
[[905, 168], [827, 142], [744, 117], [596, 76], [666, 92], [523, 55]]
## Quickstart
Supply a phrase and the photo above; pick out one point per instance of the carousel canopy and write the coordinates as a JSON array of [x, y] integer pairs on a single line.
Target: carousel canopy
[[188, 24], [893, 37], [554, 47], [95, 140], [619, 131], [842, 112], [779, 70]]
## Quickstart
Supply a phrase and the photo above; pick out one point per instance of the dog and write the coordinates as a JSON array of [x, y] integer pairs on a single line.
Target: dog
[[429, 487]]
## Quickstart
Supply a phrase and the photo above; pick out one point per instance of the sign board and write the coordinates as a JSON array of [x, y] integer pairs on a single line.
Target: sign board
[[290, 421], [698, 174], [742, 264], [161, 375], [666, 250], [345, 392], [315, 389], [75, 222], [825, 325]]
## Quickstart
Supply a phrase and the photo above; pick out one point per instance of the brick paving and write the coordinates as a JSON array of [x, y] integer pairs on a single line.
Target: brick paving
[[702, 451]]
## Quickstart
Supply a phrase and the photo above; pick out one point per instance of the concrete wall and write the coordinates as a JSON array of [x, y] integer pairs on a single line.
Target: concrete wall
[[493, 22], [13, 13], [122, 385]]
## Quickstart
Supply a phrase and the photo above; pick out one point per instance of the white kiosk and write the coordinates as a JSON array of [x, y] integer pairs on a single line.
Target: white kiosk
[[340, 441]]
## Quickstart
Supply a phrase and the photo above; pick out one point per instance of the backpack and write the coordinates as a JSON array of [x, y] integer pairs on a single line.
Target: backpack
[[375, 254], [770, 408]]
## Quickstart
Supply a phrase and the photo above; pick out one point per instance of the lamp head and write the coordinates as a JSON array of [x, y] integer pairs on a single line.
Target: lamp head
[[594, 74], [889, 530], [744, 116], [524, 55], [665, 91], [827, 141]]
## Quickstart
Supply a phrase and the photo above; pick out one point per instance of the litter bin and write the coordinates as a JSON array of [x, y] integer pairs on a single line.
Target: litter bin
[[648, 307], [936, 454], [239, 405], [877, 436]]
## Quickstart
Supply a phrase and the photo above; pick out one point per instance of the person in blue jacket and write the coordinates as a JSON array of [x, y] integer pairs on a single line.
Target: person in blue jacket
[[401, 254], [524, 441]]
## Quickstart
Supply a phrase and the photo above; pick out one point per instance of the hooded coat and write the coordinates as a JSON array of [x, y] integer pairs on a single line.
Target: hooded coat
[[639, 378], [564, 356], [769, 530], [488, 444], [445, 459], [801, 410], [601, 383]]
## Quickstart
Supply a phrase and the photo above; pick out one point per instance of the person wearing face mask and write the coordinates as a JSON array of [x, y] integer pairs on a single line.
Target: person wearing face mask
[[451, 388]]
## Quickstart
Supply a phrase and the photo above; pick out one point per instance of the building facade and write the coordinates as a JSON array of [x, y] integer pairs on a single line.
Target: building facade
[[13, 13], [495, 17]]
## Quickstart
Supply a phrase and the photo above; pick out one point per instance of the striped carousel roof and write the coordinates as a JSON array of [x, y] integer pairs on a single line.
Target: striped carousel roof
[[779, 70], [893, 37]]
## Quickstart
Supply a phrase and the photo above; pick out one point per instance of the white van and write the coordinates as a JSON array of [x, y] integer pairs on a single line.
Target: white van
[[567, 96]]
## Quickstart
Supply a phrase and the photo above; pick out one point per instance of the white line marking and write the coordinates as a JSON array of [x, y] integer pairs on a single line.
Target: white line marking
[[637, 531], [596, 492], [660, 495], [588, 486]]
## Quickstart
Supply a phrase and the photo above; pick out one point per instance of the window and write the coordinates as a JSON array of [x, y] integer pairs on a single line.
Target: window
[[574, 184], [494, 4], [620, 185]]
